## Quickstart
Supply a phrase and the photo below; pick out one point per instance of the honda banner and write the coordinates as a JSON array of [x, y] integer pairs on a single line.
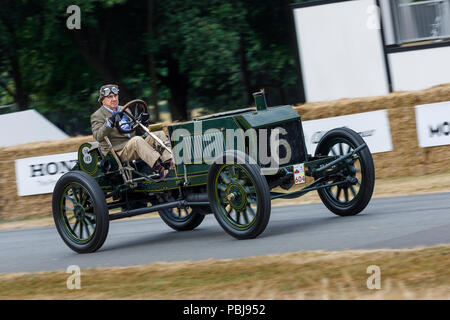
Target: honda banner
[[433, 124], [39, 175]]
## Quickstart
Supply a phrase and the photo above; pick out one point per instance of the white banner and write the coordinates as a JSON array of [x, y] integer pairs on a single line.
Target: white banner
[[433, 124], [39, 175], [372, 126]]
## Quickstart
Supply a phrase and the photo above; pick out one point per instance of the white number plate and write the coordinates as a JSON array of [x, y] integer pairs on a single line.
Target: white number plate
[[299, 173]]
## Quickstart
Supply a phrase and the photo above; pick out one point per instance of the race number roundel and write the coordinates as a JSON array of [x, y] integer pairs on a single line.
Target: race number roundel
[[87, 160]]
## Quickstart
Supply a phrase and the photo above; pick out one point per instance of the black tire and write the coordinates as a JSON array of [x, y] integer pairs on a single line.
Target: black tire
[[80, 191], [361, 168], [236, 191], [182, 219]]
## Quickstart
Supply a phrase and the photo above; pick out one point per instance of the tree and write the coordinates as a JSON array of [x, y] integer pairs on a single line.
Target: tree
[[191, 53], [15, 26]]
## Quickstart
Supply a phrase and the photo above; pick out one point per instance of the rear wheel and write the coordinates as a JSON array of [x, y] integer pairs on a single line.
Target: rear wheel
[[80, 212], [350, 198], [182, 219]]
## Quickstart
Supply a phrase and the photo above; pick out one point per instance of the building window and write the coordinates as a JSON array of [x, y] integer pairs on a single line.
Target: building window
[[416, 21]]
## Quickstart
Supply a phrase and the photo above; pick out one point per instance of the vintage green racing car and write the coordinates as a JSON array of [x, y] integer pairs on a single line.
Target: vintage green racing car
[[231, 164]]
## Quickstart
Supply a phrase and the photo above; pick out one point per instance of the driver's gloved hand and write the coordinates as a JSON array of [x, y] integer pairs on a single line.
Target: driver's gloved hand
[[114, 119], [144, 118]]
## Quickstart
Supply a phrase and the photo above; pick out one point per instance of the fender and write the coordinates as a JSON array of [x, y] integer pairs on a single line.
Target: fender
[[233, 156]]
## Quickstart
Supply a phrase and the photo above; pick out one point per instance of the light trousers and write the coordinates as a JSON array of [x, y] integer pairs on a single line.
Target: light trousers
[[148, 149]]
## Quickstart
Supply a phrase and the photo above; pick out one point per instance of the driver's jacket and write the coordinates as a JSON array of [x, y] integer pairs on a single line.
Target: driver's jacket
[[100, 130]]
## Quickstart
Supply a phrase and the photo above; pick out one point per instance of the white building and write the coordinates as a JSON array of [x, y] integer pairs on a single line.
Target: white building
[[360, 48]]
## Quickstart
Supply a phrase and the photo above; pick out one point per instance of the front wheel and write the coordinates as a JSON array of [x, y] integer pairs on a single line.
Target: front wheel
[[351, 198], [80, 212], [240, 197]]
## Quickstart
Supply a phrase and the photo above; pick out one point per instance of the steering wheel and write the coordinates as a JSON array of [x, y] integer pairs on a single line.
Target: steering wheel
[[134, 111]]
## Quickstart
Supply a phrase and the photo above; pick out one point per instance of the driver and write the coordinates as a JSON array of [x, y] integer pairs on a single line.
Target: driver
[[128, 146]]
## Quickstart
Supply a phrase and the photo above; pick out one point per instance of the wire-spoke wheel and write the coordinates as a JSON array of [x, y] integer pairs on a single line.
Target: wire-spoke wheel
[[182, 219], [240, 198], [80, 212], [353, 196], [77, 212]]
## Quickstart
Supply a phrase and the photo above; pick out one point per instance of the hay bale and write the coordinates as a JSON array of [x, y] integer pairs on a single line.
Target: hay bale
[[407, 158], [13, 206]]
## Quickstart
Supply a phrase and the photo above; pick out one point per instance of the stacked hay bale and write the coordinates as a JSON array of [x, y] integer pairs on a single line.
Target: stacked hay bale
[[407, 158], [13, 206]]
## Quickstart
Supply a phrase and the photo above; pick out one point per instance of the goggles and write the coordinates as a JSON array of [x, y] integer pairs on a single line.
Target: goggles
[[108, 90]]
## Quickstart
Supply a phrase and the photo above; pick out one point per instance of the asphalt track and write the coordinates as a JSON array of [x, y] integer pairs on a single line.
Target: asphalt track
[[398, 222]]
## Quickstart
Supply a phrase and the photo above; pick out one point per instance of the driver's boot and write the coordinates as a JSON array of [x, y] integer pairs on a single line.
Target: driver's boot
[[168, 164], [159, 169]]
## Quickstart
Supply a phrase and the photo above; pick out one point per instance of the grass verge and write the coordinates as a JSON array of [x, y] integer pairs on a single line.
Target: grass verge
[[421, 273]]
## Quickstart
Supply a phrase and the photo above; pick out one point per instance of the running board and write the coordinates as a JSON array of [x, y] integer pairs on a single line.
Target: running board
[[156, 207]]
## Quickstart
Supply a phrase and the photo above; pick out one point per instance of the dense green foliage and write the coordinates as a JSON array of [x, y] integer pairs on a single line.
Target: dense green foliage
[[191, 53]]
